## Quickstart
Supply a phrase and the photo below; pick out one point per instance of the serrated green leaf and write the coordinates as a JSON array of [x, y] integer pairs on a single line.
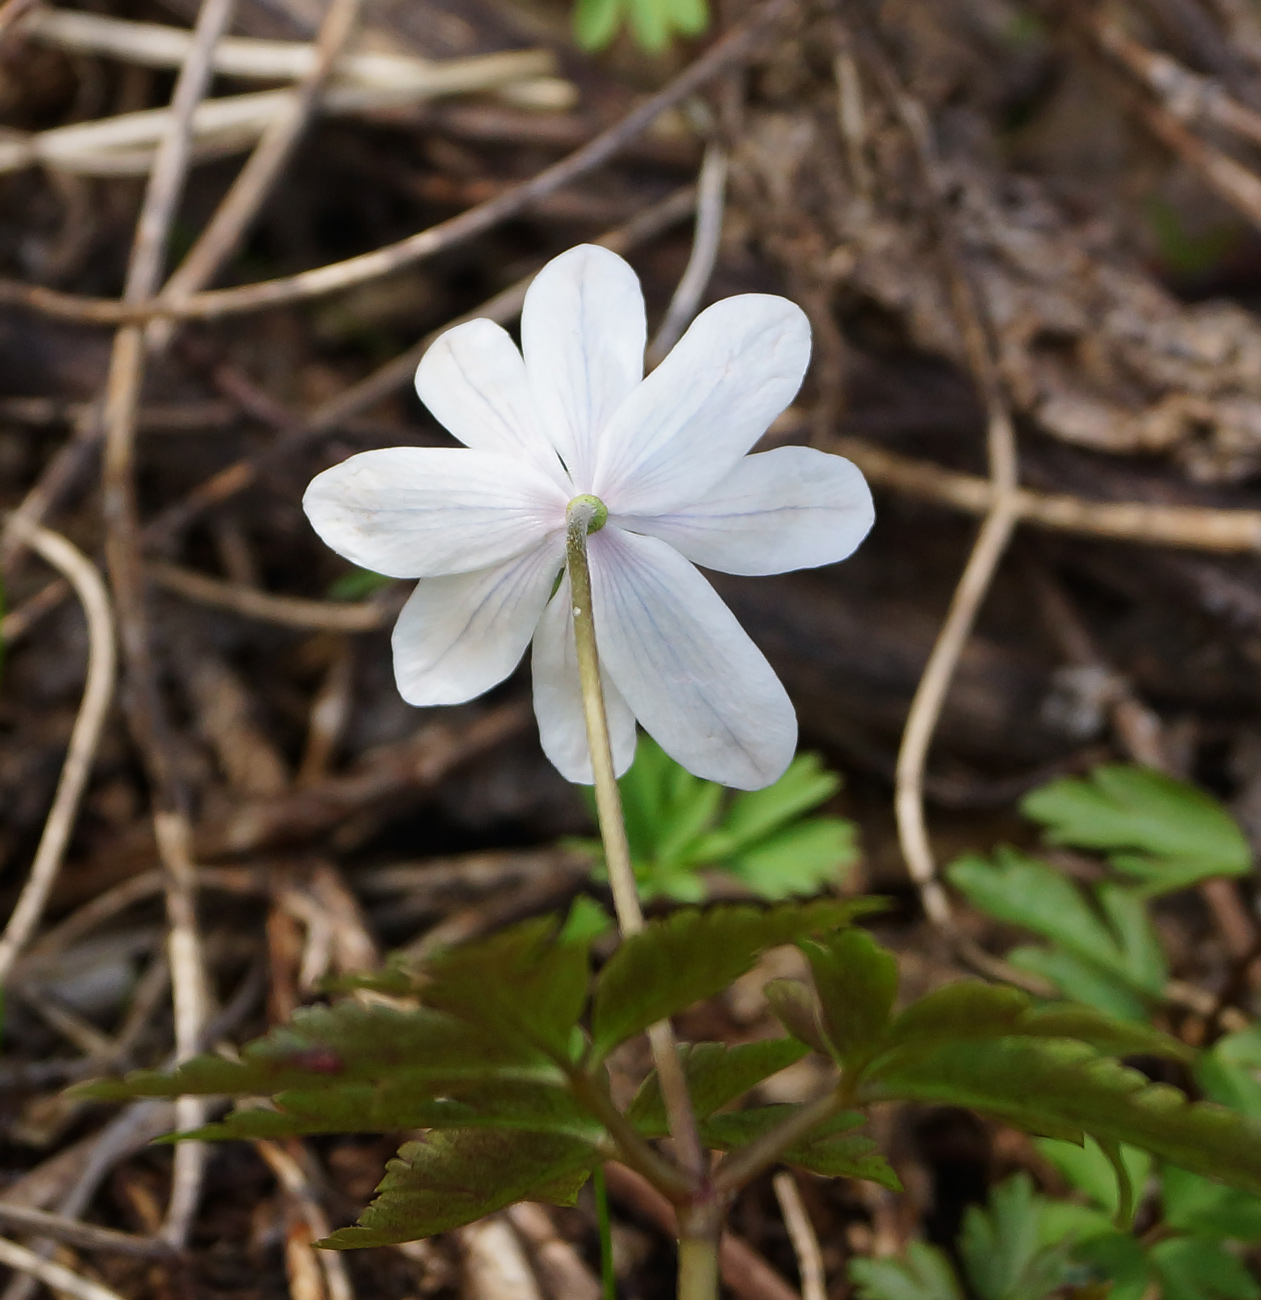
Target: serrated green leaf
[[330, 1048], [970, 1009], [450, 1179], [857, 981], [1088, 1169], [1121, 1259], [831, 1148], [716, 1074], [1083, 982], [1230, 1072], [1196, 1205], [1197, 1268], [692, 955], [522, 984], [1164, 831], [923, 1273], [756, 814], [799, 859], [1113, 944], [1000, 1246], [596, 22], [1059, 1088], [797, 1009]]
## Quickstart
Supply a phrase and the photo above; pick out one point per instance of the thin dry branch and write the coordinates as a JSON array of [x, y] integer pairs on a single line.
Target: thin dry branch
[[737, 45], [97, 692], [996, 527], [711, 189], [145, 709], [1195, 528], [87, 1236], [288, 611], [802, 1235], [54, 1276]]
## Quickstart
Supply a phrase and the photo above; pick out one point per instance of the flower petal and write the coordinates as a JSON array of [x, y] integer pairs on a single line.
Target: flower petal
[[418, 512], [583, 333], [791, 508], [685, 427], [558, 698], [473, 380], [688, 670], [460, 635]]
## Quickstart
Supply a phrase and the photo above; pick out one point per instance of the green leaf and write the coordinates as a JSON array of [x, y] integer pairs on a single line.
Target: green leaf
[[1114, 944], [1196, 1205], [758, 813], [800, 859], [970, 1009], [923, 1273], [1083, 982], [521, 984], [1230, 1073], [1165, 832], [1060, 1088], [1195, 1268], [1091, 1172], [1119, 1258], [327, 1049], [692, 955], [395, 1106], [831, 1149], [1000, 1246], [717, 1074], [857, 981], [450, 1179], [795, 1005], [596, 22]]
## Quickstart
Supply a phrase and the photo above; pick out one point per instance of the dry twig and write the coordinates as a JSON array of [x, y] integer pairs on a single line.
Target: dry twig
[[55, 1276], [84, 739], [802, 1235]]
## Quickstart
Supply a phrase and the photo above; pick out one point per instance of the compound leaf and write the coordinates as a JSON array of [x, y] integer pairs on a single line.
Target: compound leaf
[[326, 1049], [857, 981], [922, 1273], [1196, 1205], [691, 955], [450, 1179], [1065, 1089], [1165, 832], [1198, 1268], [520, 984], [1000, 1246], [717, 1074]]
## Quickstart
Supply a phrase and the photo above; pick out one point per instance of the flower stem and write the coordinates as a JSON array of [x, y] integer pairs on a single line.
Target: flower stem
[[699, 1235], [608, 1278], [608, 801]]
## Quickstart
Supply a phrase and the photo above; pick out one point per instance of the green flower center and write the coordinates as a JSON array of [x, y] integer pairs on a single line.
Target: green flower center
[[593, 507]]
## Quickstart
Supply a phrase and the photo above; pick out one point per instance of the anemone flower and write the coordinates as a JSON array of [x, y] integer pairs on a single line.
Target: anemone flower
[[571, 414]]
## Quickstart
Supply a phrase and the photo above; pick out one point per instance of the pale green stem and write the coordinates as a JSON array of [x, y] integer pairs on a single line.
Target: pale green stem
[[699, 1235], [582, 513]]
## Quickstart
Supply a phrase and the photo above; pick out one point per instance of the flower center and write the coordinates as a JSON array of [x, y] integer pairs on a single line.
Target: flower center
[[589, 507]]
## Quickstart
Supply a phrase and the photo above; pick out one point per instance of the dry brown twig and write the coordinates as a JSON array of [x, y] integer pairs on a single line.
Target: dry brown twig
[[56, 1277], [336, 276], [145, 710], [996, 527], [97, 692], [802, 1235], [1199, 528], [87, 1236]]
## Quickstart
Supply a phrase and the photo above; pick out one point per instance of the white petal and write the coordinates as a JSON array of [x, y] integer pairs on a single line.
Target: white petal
[[458, 636], [416, 512], [583, 333], [695, 681], [473, 380], [685, 427], [558, 697], [791, 508]]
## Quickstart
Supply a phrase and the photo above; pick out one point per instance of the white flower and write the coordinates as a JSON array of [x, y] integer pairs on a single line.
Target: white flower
[[483, 526]]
